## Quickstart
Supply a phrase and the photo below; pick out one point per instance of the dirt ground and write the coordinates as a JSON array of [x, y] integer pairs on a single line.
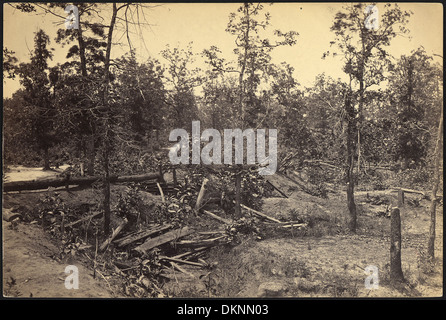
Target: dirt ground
[[329, 262], [30, 268]]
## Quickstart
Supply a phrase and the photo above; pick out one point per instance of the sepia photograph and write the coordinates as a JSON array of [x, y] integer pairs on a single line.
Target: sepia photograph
[[222, 150]]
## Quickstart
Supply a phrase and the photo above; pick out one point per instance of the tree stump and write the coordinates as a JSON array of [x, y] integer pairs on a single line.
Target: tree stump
[[396, 272], [400, 198]]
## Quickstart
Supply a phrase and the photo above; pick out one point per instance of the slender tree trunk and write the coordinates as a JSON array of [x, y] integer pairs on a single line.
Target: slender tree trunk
[[81, 43], [107, 211], [351, 163], [359, 152], [46, 159], [238, 185], [433, 206], [106, 125], [90, 155], [243, 66]]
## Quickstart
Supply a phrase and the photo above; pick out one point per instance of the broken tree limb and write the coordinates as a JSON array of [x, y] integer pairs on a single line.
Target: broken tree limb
[[275, 188], [260, 214], [65, 181], [161, 192], [190, 253], [294, 225], [164, 238], [142, 235], [211, 232], [114, 234], [411, 191], [83, 219], [200, 197], [8, 215], [282, 223], [176, 266], [294, 181], [203, 242], [320, 162], [216, 217], [195, 264]]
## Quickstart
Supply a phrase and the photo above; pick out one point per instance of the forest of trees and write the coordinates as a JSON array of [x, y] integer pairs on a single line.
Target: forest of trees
[[115, 115]]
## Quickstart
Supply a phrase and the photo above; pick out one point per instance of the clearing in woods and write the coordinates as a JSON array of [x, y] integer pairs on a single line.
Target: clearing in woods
[[322, 260]]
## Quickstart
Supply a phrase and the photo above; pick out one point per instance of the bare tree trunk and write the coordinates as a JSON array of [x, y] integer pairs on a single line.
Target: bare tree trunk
[[433, 206], [81, 43], [106, 142], [238, 185], [359, 152], [90, 155], [243, 66], [90, 151], [107, 211], [351, 163], [396, 273], [46, 159]]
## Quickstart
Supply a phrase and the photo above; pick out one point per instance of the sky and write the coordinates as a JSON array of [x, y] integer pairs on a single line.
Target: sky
[[204, 24]]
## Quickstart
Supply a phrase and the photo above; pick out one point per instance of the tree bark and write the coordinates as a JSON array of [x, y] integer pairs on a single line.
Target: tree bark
[[433, 206], [106, 137], [243, 65], [46, 159], [238, 184], [106, 203], [351, 163], [396, 273], [200, 197], [81, 43], [90, 140], [90, 155], [80, 181]]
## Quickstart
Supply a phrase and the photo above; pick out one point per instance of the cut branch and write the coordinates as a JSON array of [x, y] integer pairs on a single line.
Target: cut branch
[[217, 217], [260, 214], [114, 234], [164, 238]]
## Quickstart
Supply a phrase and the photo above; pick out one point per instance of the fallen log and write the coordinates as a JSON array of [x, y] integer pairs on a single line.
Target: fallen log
[[124, 241], [203, 242], [320, 162], [275, 188], [66, 181], [286, 224], [161, 192], [216, 217], [282, 223], [425, 194], [200, 197], [124, 266], [83, 219], [190, 253], [176, 266], [195, 264], [294, 181], [211, 232], [260, 214], [294, 225], [162, 239], [114, 234], [8, 215]]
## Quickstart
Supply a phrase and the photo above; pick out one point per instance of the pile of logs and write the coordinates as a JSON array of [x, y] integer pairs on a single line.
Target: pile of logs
[[158, 235], [193, 243]]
